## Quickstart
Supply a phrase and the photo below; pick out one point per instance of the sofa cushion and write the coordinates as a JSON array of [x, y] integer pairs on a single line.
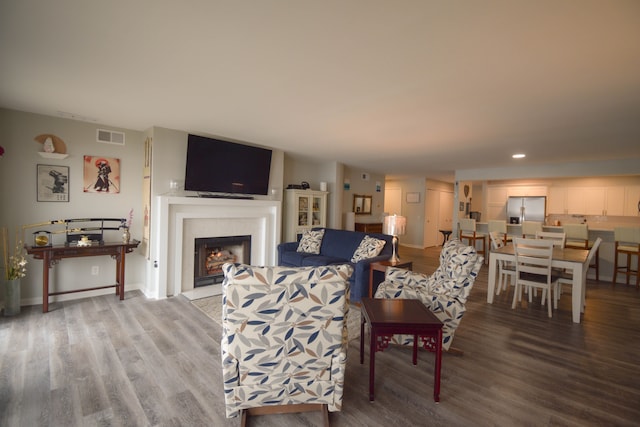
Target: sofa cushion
[[340, 243], [320, 260], [293, 258], [369, 247], [311, 241]]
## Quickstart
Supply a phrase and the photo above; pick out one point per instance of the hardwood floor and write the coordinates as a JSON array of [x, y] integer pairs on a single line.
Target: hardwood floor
[[137, 362]]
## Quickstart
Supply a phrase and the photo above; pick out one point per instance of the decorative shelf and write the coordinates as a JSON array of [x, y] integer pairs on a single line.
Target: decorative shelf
[[52, 155]]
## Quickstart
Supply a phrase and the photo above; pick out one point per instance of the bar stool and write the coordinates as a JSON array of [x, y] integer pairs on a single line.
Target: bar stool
[[530, 228], [578, 238], [627, 242], [468, 231]]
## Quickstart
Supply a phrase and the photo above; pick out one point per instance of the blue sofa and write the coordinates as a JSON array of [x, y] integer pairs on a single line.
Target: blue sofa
[[338, 247]]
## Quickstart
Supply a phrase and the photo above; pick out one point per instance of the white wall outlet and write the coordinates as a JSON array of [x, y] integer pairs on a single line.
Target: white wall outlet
[[95, 270]]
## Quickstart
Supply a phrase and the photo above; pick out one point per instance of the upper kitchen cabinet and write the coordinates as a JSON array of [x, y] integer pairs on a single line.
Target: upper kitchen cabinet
[[614, 203], [632, 200], [527, 191], [557, 200], [586, 200]]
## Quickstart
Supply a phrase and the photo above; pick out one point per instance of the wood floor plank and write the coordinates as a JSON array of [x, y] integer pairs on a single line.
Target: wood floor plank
[[102, 361]]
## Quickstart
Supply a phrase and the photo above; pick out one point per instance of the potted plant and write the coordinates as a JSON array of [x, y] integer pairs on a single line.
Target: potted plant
[[15, 267]]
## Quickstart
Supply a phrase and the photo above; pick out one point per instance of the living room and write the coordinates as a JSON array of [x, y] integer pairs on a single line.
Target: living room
[[332, 105]]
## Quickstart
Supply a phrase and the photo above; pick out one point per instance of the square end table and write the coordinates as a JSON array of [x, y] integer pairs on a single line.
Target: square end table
[[387, 317]]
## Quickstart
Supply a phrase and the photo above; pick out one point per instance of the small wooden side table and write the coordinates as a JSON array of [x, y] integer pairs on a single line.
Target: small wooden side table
[[387, 317], [445, 236], [382, 266]]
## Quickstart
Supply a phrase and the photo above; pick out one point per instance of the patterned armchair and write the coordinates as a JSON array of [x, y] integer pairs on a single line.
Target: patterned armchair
[[284, 338], [445, 292]]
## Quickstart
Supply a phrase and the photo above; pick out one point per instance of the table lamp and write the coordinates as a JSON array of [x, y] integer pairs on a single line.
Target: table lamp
[[394, 225]]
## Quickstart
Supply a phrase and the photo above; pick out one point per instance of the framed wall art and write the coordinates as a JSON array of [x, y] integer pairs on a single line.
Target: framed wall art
[[413, 197], [52, 183], [101, 175]]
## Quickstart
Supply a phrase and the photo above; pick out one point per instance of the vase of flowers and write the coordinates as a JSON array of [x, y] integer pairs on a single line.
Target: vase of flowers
[[15, 267]]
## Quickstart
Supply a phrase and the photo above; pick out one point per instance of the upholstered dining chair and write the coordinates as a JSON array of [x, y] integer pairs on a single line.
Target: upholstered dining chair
[[506, 270], [499, 227], [578, 238], [627, 243], [533, 269], [284, 339], [558, 239], [468, 232], [530, 228]]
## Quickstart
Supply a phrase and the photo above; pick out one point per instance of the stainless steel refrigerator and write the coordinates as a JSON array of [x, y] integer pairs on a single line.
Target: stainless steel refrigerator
[[526, 209]]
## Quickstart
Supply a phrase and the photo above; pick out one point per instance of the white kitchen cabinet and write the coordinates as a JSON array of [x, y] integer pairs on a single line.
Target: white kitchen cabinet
[[614, 203], [632, 200], [557, 200], [304, 209], [527, 191], [497, 202]]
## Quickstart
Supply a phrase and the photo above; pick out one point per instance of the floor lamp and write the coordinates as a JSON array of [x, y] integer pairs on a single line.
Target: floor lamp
[[394, 225]]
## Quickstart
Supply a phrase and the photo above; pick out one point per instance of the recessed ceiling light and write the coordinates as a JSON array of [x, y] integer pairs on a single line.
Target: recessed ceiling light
[[519, 156]]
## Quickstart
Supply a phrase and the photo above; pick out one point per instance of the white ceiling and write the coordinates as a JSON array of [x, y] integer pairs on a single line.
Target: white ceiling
[[419, 87]]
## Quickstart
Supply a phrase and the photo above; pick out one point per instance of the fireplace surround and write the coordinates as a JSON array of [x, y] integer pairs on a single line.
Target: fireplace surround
[[183, 219]]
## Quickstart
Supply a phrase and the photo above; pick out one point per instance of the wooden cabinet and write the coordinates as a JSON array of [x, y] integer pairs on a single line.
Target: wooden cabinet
[[369, 227], [304, 209]]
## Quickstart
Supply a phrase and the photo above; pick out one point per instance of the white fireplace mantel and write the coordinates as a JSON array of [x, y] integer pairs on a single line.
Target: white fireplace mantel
[[182, 219]]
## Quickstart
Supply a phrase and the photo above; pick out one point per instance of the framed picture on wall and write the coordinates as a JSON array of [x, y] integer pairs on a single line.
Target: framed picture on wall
[[101, 175], [413, 197], [53, 183]]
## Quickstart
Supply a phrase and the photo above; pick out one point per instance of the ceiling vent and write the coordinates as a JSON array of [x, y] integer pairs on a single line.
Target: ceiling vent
[[110, 136]]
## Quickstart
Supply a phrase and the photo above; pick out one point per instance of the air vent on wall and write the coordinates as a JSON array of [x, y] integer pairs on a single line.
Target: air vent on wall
[[110, 136]]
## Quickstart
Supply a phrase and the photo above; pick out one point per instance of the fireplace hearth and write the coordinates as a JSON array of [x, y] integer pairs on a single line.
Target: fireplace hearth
[[210, 254]]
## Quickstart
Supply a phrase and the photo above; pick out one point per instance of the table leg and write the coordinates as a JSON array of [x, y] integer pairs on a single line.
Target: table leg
[[120, 272], [46, 265], [415, 349], [436, 374], [362, 320], [576, 291], [491, 283], [372, 362]]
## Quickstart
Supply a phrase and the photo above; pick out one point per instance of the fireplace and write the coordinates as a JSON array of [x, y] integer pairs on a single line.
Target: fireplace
[[210, 254], [183, 219]]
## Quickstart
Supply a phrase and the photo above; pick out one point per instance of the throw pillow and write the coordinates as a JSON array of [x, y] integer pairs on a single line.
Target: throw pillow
[[368, 248], [311, 241]]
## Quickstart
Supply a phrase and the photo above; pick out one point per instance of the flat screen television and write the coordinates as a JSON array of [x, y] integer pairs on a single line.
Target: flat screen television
[[216, 166]]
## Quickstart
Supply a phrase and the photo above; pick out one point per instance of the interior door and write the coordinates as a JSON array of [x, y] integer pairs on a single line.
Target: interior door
[[431, 212], [445, 214], [393, 201]]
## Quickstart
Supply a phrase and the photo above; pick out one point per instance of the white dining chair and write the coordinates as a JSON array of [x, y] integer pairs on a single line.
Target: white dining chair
[[558, 239], [533, 269], [567, 277], [506, 269]]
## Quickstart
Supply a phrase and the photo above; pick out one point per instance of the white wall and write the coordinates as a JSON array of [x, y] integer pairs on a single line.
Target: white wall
[[19, 205]]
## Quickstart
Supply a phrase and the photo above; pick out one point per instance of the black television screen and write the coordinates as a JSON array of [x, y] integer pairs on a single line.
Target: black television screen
[[217, 166]]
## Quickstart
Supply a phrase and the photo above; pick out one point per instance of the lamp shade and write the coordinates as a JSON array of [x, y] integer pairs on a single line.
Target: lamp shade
[[394, 225]]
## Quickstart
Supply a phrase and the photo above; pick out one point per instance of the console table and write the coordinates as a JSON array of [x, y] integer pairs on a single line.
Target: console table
[[51, 255]]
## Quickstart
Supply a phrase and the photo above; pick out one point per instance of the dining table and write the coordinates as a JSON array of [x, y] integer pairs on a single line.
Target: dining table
[[570, 259]]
